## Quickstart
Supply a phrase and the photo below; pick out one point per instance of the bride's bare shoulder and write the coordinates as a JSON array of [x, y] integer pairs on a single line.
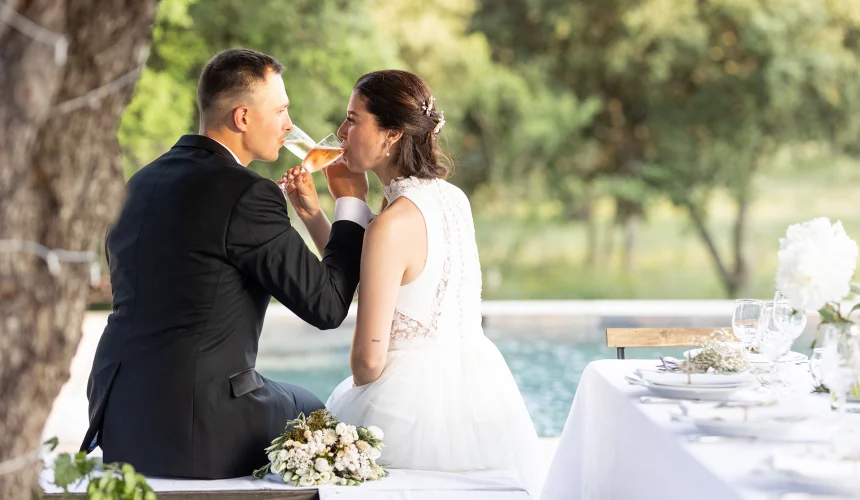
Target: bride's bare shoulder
[[401, 219]]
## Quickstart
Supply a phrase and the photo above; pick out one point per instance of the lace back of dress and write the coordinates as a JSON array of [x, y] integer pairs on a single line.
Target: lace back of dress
[[455, 309]]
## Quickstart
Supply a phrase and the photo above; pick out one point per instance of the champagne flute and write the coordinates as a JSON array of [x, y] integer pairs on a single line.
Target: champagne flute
[[298, 142], [315, 156], [323, 154]]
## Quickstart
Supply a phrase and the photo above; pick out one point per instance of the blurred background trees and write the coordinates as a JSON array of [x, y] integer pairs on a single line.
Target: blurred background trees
[[613, 149]]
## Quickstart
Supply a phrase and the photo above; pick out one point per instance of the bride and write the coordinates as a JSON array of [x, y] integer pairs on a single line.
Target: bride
[[422, 369]]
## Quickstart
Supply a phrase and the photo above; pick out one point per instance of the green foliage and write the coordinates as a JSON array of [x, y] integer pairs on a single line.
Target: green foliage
[[109, 482], [559, 105]]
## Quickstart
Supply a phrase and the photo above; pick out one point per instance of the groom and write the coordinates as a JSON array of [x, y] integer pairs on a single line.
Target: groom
[[200, 247]]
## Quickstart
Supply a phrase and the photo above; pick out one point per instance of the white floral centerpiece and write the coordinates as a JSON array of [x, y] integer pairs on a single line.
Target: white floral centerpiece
[[817, 261], [319, 450]]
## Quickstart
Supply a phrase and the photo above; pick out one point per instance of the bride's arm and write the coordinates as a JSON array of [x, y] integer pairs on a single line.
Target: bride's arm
[[383, 263]]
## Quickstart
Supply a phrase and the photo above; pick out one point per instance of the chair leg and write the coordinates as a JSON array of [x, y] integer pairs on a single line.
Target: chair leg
[[619, 351]]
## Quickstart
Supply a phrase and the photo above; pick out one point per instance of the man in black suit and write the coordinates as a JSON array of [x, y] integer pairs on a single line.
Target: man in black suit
[[200, 247]]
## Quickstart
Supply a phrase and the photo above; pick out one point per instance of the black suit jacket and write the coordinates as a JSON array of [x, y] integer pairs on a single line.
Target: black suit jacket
[[199, 248]]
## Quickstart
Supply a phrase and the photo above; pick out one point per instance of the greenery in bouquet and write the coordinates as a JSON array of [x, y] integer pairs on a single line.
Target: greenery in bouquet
[[817, 261], [319, 450], [717, 354]]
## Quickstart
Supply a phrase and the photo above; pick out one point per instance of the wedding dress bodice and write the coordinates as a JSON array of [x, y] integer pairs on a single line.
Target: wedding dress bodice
[[444, 300], [446, 399]]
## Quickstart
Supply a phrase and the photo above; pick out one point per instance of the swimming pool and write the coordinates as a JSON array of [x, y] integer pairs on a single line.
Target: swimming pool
[[546, 362]]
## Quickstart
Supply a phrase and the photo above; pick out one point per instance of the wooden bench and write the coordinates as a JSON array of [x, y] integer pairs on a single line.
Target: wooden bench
[[217, 495], [620, 338]]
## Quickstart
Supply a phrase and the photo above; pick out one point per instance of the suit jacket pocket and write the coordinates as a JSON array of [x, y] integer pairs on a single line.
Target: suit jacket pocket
[[244, 382]]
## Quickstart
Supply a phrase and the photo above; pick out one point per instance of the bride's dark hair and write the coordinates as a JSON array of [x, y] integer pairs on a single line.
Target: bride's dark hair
[[403, 101]]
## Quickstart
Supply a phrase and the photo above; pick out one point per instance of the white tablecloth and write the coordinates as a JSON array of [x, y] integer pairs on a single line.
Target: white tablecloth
[[401, 484], [614, 447]]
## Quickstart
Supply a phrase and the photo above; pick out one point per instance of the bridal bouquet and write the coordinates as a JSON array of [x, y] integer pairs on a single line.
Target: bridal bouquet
[[319, 450], [817, 260]]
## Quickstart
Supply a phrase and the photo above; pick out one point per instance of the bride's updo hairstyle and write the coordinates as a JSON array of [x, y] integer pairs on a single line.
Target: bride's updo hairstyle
[[403, 101]]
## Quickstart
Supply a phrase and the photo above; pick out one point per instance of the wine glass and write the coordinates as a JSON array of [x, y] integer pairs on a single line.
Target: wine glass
[[745, 319], [298, 142], [786, 318], [323, 154], [772, 342], [315, 155]]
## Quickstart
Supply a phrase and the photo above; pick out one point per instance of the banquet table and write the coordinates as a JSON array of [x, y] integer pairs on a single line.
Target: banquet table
[[613, 446]]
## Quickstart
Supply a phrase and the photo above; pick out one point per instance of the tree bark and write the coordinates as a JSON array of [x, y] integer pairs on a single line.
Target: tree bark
[[631, 230], [61, 183], [734, 280]]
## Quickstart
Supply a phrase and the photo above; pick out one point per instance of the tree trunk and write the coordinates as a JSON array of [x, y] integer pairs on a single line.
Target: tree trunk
[[631, 230], [591, 227], [61, 183], [739, 234], [733, 280], [608, 246]]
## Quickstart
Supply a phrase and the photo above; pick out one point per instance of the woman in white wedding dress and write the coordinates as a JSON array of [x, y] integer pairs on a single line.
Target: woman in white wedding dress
[[423, 371]]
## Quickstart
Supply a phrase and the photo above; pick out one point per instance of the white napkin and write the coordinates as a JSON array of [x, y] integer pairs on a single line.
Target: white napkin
[[818, 468], [749, 414], [695, 379]]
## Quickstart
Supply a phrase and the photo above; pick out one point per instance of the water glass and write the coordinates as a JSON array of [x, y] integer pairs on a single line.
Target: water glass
[[745, 319], [786, 319]]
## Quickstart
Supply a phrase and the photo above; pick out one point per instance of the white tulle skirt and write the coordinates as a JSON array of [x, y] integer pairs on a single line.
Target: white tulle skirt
[[447, 406]]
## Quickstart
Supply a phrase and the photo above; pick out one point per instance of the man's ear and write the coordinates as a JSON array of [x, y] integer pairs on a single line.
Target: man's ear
[[240, 118]]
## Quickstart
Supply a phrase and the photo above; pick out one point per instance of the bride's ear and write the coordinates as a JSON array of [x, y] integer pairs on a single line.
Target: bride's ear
[[392, 136]]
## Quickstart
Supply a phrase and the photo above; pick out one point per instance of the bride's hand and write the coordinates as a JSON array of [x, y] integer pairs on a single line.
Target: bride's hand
[[299, 187]]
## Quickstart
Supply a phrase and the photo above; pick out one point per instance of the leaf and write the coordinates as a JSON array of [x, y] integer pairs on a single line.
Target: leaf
[[827, 315], [103, 482], [262, 471], [65, 473], [856, 307], [129, 478], [52, 443]]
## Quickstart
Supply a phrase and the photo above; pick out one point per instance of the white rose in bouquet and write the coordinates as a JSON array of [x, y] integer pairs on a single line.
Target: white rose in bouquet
[[376, 431], [306, 481], [817, 261], [322, 465]]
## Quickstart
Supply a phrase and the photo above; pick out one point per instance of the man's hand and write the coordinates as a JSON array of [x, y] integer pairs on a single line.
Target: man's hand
[[342, 182], [299, 187]]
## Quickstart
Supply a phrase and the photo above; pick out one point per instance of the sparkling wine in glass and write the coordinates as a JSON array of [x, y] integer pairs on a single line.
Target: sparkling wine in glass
[[323, 154], [315, 155], [299, 143], [745, 319]]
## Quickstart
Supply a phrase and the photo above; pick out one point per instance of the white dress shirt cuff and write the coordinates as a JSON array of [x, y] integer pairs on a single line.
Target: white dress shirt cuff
[[349, 208]]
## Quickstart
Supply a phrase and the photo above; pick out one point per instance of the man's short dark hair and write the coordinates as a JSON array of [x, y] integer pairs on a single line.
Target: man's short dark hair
[[229, 75]]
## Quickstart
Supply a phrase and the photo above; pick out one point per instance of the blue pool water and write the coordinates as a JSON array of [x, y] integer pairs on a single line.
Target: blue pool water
[[547, 370]]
